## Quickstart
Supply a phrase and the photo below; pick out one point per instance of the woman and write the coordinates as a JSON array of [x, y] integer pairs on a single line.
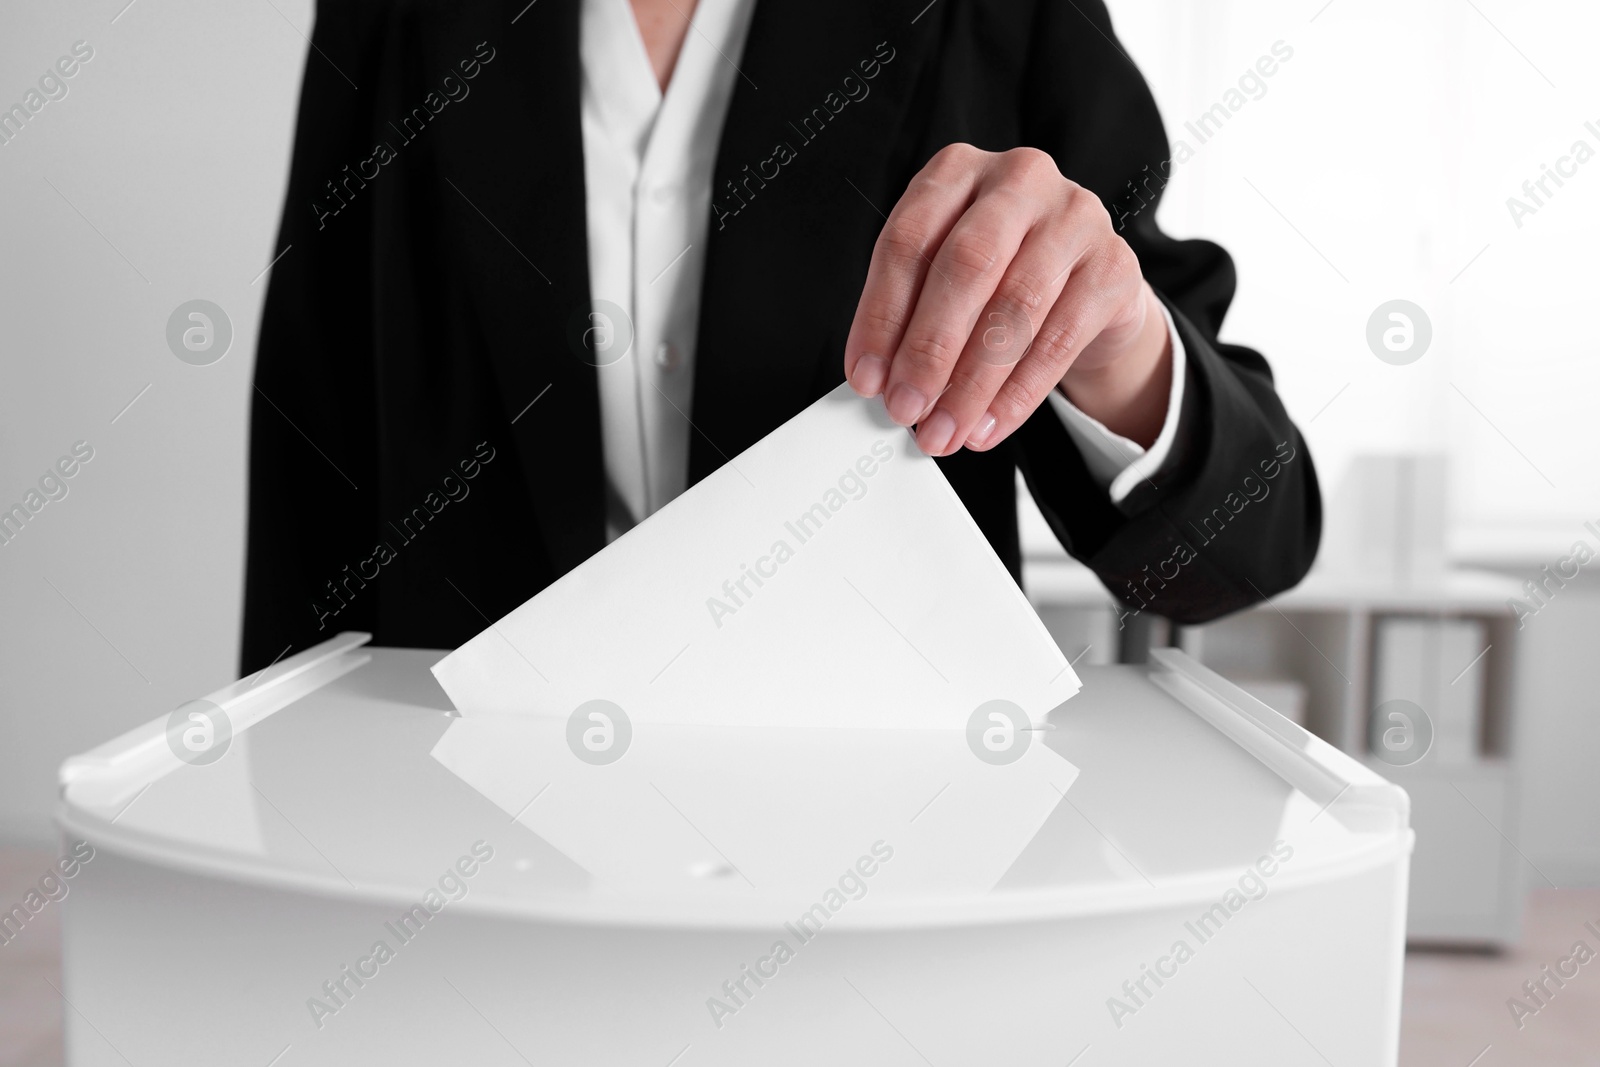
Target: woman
[[547, 264]]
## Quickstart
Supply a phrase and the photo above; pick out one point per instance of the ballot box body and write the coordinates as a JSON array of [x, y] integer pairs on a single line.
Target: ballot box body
[[1216, 886]]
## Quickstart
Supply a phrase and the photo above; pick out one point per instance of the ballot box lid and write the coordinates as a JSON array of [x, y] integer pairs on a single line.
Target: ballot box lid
[[344, 772]]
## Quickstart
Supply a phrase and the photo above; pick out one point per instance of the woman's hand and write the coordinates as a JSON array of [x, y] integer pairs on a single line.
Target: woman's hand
[[994, 281]]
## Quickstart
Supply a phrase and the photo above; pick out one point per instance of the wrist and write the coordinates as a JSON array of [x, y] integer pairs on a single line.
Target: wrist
[[1126, 388]]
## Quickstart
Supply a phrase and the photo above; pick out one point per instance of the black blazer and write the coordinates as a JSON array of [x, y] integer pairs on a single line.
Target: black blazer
[[435, 282]]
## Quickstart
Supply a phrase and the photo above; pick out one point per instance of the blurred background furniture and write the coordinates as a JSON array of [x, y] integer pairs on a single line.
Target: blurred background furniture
[[1381, 618]]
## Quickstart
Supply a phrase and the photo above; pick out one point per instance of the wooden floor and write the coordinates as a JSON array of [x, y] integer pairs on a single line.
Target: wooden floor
[[1455, 1003], [30, 1010]]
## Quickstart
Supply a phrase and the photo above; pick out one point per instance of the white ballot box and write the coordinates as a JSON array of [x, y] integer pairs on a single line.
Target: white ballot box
[[326, 865]]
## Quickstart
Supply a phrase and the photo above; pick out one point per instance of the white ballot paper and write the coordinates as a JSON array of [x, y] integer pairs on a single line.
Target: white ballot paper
[[828, 576]]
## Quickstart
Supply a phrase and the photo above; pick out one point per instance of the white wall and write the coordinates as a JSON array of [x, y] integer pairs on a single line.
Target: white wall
[[1391, 142], [172, 142]]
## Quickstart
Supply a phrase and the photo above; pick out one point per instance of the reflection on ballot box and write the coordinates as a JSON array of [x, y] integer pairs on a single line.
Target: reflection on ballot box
[[746, 816]]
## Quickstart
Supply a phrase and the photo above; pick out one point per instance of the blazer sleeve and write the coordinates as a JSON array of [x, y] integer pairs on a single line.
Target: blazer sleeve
[[313, 435], [1235, 514]]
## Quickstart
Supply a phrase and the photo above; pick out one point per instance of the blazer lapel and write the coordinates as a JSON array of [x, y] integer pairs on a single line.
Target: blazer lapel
[[519, 198], [803, 179]]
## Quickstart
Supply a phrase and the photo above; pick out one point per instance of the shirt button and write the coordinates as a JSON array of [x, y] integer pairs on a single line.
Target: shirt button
[[668, 357], [665, 194]]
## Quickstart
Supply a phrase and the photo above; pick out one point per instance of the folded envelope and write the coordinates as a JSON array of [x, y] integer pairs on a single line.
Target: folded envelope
[[827, 576]]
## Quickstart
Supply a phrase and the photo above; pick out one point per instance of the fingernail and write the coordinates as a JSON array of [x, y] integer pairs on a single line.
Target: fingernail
[[905, 404], [980, 433], [933, 436], [869, 376]]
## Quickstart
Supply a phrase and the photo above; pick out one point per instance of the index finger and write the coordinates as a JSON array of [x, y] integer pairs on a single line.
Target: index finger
[[917, 226]]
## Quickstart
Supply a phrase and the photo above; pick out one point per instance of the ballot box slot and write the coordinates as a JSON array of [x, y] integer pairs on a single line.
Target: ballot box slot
[[121, 767]]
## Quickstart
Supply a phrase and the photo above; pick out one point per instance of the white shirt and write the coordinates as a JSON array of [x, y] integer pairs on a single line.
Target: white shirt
[[648, 160]]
